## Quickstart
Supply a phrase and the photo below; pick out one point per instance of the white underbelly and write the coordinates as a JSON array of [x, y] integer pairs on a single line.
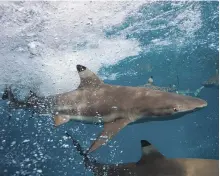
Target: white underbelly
[[95, 119], [87, 119]]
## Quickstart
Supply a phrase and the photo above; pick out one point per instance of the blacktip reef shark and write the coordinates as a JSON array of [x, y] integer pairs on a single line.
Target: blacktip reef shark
[[150, 85], [112, 105], [195, 93], [213, 81], [151, 163], [172, 88]]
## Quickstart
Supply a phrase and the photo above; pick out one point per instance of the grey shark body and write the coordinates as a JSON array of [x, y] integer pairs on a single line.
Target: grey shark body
[[213, 81], [114, 106], [151, 163]]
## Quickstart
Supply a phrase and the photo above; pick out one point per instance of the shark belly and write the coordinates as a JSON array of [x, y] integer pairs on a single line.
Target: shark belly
[[87, 119], [94, 119], [81, 112]]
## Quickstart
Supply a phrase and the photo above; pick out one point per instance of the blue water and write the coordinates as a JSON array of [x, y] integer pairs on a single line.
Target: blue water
[[170, 48]]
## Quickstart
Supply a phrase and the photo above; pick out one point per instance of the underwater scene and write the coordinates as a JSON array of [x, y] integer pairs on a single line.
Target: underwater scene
[[111, 88]]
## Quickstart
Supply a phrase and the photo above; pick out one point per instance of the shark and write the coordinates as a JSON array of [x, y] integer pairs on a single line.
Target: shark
[[151, 163], [150, 85], [172, 88], [165, 89], [213, 81], [114, 106], [195, 93]]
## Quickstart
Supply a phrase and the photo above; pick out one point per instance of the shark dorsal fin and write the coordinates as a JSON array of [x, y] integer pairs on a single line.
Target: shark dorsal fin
[[87, 77], [149, 153]]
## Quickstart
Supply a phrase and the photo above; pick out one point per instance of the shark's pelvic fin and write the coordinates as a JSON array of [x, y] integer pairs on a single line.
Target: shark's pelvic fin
[[88, 78], [149, 153], [61, 119], [110, 129]]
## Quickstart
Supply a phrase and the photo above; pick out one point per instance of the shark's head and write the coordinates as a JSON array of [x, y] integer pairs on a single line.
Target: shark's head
[[171, 104]]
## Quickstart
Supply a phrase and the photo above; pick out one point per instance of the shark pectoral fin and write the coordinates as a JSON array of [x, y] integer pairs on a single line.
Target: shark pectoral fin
[[149, 153], [61, 119], [110, 129]]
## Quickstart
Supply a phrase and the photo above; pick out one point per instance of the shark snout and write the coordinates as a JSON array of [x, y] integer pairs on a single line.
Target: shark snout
[[202, 103], [188, 104], [197, 103]]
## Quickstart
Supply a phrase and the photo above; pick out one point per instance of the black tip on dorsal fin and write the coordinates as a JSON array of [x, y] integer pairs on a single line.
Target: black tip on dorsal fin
[[145, 143], [149, 153], [87, 77], [80, 68]]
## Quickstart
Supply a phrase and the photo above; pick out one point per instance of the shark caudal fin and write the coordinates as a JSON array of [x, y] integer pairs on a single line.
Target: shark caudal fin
[[88, 78], [149, 153], [5, 94], [88, 163]]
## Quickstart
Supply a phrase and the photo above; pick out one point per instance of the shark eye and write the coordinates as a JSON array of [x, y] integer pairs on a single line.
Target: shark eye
[[175, 109]]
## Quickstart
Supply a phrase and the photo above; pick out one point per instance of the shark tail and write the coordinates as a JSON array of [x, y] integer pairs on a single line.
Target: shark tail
[[87, 161], [7, 94]]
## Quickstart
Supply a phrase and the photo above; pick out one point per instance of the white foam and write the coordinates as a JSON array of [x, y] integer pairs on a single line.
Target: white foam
[[41, 42], [186, 18], [189, 21]]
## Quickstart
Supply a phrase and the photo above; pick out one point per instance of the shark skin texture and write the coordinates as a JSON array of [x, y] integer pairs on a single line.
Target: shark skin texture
[[151, 163], [113, 106]]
